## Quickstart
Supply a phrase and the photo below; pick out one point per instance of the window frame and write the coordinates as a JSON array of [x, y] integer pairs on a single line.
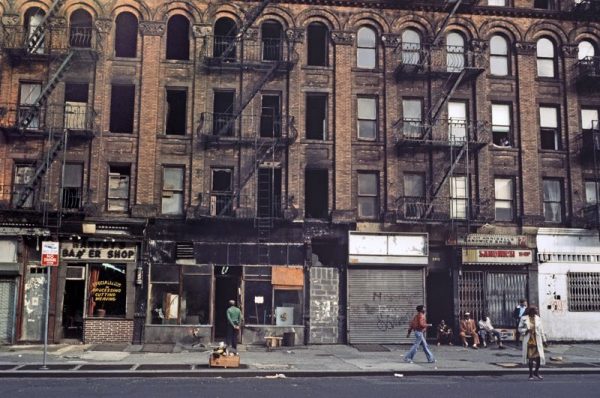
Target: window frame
[[510, 200], [365, 195], [506, 130], [119, 39], [411, 51], [307, 116], [174, 53], [505, 57], [310, 43], [560, 202], [169, 192], [542, 59], [374, 121], [547, 130], [459, 204], [118, 176], [370, 51]]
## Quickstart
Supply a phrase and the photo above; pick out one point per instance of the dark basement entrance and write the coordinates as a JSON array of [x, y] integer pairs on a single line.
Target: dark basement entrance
[[227, 283]]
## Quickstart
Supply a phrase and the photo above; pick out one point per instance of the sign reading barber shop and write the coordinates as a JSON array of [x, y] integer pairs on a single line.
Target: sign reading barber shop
[[98, 251]]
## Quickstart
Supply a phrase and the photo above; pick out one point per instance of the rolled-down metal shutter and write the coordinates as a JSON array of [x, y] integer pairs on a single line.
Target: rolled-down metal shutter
[[7, 309], [381, 303]]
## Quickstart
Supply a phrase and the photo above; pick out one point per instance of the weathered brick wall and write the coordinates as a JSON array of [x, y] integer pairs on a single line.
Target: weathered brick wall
[[324, 305], [107, 331]]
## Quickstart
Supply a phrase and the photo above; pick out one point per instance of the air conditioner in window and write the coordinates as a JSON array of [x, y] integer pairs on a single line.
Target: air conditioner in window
[[75, 273]]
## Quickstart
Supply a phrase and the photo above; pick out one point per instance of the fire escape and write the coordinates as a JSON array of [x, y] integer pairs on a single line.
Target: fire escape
[[34, 117], [449, 143], [267, 134]]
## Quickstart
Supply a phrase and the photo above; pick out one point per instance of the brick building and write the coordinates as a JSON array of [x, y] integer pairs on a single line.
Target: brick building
[[327, 164]]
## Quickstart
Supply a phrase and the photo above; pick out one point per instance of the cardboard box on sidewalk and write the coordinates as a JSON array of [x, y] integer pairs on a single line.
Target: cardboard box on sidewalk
[[221, 361]]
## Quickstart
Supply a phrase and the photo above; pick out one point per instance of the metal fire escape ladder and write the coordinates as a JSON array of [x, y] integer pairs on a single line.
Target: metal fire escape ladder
[[447, 174], [449, 88], [37, 36], [446, 21]]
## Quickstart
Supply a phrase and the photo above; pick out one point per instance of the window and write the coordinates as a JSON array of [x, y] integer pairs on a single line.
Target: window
[[23, 176], [550, 134], [584, 291], [316, 193], [118, 188], [414, 195], [126, 33], [503, 196], [501, 127], [544, 4], [268, 199], [33, 19], [589, 119], [316, 116], [221, 192], [178, 38], [368, 195], [366, 49], [585, 49], [592, 189], [411, 47], [499, 65], [552, 201], [122, 100], [546, 61], [223, 123], [272, 41], [71, 191], [172, 190], [455, 52], [457, 121], [367, 118], [458, 197], [412, 117], [107, 290], [80, 33], [270, 116], [28, 95], [176, 112], [499, 3], [76, 98], [318, 44], [225, 34]]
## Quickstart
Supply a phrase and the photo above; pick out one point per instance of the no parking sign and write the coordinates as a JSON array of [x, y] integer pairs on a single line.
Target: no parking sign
[[49, 254]]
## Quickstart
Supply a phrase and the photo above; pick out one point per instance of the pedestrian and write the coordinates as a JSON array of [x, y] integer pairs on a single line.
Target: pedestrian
[[468, 329], [234, 319], [534, 339], [419, 326], [487, 330], [517, 314]]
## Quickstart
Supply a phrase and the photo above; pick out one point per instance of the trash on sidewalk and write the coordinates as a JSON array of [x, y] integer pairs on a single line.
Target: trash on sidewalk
[[223, 357], [398, 375], [276, 376], [556, 359]]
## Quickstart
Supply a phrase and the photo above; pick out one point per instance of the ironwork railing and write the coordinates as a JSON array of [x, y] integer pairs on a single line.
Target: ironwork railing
[[588, 67], [245, 51], [74, 116], [415, 58], [440, 209], [452, 132], [56, 40], [225, 125]]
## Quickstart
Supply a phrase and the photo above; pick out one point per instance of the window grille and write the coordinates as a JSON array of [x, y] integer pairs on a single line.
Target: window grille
[[584, 291]]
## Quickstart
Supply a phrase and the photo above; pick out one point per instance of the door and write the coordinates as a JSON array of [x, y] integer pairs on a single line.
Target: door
[[227, 284], [34, 304], [72, 314], [7, 310]]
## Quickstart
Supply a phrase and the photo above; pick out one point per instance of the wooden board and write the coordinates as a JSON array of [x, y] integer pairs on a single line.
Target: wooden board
[[223, 361]]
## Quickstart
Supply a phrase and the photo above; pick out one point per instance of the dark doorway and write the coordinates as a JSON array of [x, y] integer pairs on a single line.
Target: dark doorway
[[316, 189], [270, 116], [223, 113], [227, 283], [72, 315], [269, 193], [439, 300]]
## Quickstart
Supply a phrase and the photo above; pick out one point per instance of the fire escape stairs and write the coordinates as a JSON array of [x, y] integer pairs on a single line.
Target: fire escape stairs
[[461, 152], [37, 36]]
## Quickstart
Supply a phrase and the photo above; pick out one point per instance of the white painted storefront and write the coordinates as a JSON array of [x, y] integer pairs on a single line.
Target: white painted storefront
[[569, 313]]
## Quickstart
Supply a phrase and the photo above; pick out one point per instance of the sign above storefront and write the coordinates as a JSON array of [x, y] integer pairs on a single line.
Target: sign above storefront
[[496, 240], [387, 248], [496, 256], [98, 251]]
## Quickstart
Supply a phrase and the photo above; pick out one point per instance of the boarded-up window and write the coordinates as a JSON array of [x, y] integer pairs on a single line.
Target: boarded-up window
[[118, 188], [172, 192]]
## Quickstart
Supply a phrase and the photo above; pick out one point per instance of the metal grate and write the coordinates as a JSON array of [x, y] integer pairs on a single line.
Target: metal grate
[[471, 293], [584, 291], [185, 250]]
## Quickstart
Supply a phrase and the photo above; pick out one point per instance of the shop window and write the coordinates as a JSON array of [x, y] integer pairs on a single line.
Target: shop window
[[455, 52], [258, 296], [368, 195], [34, 17], [270, 116], [318, 44], [172, 190], [367, 118], [107, 287], [122, 101], [584, 291], [28, 95], [549, 131], [76, 98], [225, 34], [316, 192], [178, 38], [118, 188], [501, 126], [414, 195], [546, 58], [553, 202], [272, 41], [366, 48], [499, 56], [457, 121], [316, 116], [288, 307], [412, 118], [411, 47], [80, 33], [504, 199], [23, 176], [458, 197], [585, 49], [126, 33], [71, 192], [176, 112]]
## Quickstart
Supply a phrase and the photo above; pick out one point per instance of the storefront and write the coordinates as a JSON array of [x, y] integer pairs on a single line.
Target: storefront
[[9, 281], [386, 281], [569, 283], [493, 276], [97, 281]]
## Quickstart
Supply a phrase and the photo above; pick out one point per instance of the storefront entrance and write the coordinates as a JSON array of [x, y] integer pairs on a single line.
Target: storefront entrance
[[72, 316], [7, 310], [227, 283]]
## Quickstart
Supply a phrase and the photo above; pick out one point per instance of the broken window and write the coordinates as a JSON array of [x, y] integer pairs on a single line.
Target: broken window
[[221, 192], [223, 123], [122, 100], [367, 118], [80, 33], [270, 116], [28, 95], [126, 33], [172, 190], [366, 50], [33, 18], [23, 176], [269, 192], [272, 40], [178, 38], [368, 195], [176, 111], [316, 116], [225, 35], [318, 44], [316, 193], [118, 188], [76, 98], [71, 186]]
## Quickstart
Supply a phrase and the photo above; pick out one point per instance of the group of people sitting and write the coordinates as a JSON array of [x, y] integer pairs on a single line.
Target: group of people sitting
[[478, 333]]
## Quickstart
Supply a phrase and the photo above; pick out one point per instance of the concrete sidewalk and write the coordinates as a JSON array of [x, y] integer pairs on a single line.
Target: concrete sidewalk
[[305, 361]]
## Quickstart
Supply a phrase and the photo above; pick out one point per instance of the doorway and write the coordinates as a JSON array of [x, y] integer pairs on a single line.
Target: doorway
[[72, 314], [227, 283]]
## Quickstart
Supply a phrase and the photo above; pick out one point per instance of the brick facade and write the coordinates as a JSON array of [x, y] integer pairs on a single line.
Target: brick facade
[[97, 331]]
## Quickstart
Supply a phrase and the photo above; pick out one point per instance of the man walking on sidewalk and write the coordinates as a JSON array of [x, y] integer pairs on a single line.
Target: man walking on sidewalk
[[419, 326]]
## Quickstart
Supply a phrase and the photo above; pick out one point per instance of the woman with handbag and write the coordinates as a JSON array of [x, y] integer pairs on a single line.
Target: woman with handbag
[[530, 327]]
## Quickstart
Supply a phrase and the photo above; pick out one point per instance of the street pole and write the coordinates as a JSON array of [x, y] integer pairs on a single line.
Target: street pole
[[48, 278]]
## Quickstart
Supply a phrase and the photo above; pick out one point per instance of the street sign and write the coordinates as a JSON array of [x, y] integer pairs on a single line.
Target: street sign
[[49, 254]]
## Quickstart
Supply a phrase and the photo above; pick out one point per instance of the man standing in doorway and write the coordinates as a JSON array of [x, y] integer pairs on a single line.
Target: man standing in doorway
[[234, 319], [518, 313], [419, 326]]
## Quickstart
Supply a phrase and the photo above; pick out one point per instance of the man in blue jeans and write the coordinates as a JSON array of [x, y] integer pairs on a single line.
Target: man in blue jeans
[[419, 326]]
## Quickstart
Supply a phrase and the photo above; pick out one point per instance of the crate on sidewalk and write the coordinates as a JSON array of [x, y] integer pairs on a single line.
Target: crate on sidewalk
[[222, 361]]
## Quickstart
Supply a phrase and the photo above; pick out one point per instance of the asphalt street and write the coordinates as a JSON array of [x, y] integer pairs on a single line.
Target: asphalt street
[[553, 386]]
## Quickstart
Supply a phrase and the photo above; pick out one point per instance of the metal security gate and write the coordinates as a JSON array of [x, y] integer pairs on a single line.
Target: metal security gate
[[381, 303], [7, 310], [495, 293]]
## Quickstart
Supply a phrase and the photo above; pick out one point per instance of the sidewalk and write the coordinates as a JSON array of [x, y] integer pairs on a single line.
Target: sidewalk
[[156, 360]]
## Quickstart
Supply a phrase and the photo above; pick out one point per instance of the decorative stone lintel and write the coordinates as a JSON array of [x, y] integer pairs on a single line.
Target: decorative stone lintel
[[58, 23], [569, 50], [201, 31], [103, 25], [251, 34], [343, 37], [391, 40], [525, 47], [295, 35], [148, 28], [10, 19], [479, 45]]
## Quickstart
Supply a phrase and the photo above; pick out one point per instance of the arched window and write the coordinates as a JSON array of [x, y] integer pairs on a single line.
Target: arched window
[[80, 34], [411, 47], [272, 40], [499, 57], [455, 52], [178, 38], [366, 49], [317, 35], [224, 43], [33, 19], [126, 32], [546, 60], [585, 49]]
